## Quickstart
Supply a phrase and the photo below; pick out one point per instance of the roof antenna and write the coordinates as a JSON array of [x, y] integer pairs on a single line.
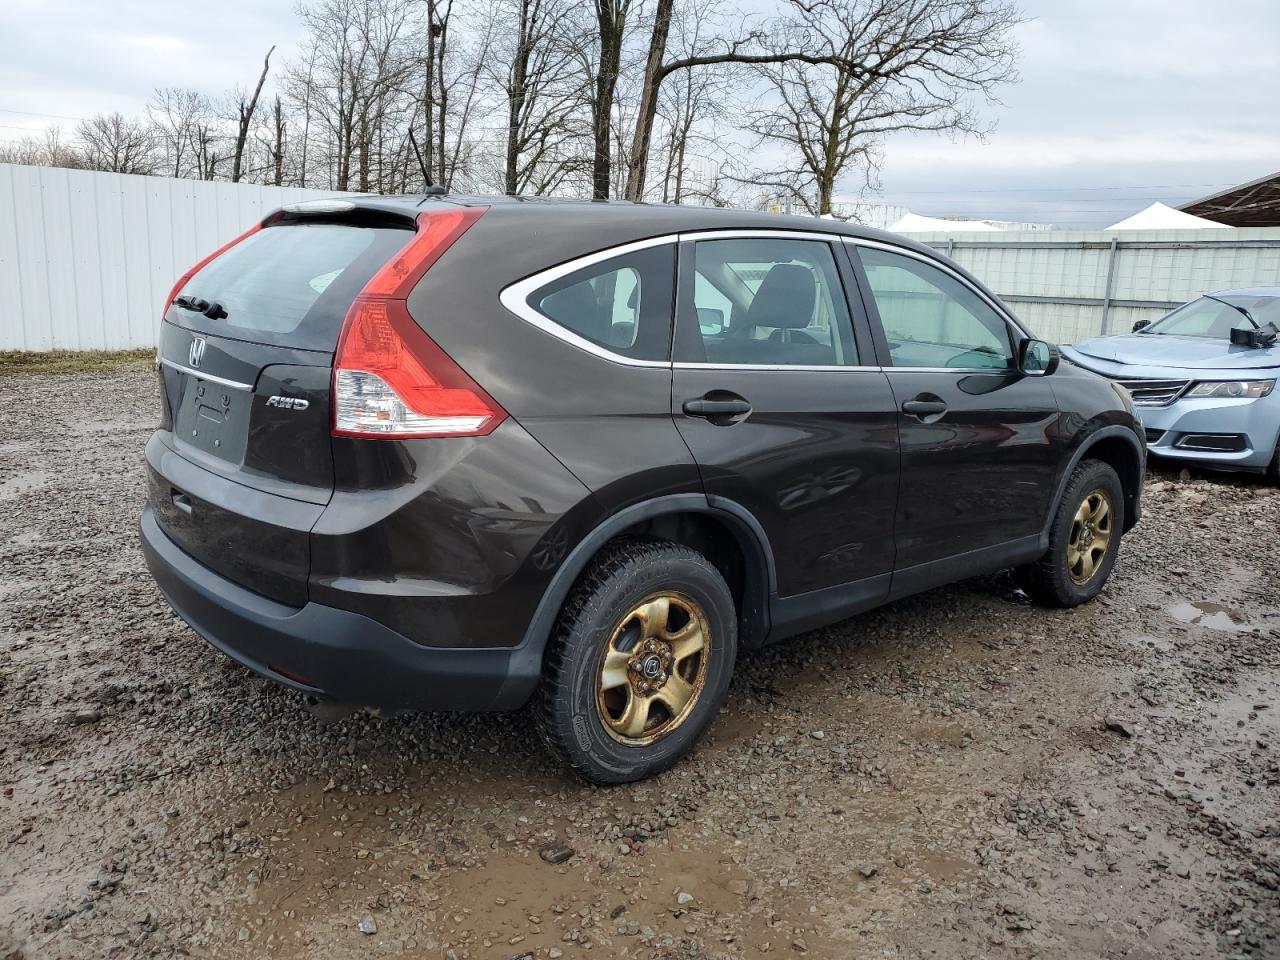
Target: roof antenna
[[432, 189]]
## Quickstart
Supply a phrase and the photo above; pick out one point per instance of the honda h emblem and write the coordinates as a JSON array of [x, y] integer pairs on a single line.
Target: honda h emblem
[[196, 353]]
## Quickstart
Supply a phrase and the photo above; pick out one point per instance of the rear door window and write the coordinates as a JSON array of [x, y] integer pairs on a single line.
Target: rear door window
[[771, 301], [289, 284], [622, 304]]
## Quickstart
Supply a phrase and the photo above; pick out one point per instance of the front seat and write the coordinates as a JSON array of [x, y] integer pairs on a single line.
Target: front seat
[[784, 302]]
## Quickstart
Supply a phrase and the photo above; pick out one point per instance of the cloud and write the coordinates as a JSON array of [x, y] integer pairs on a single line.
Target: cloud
[[1170, 96], [1173, 97], [74, 58]]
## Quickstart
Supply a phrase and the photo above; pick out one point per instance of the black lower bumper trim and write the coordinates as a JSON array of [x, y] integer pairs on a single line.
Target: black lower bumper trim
[[334, 653]]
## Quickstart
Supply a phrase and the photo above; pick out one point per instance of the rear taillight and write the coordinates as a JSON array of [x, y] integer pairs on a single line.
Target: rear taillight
[[182, 280], [391, 380]]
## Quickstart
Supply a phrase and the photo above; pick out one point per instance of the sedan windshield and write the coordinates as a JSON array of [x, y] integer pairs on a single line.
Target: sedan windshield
[[1211, 318]]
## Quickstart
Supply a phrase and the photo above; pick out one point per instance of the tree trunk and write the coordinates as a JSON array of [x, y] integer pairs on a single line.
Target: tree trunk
[[429, 94], [364, 155], [638, 160], [442, 115], [516, 94], [246, 117], [279, 151], [611, 23]]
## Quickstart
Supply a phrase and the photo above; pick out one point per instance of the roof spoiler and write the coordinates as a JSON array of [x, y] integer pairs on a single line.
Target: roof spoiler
[[338, 208]]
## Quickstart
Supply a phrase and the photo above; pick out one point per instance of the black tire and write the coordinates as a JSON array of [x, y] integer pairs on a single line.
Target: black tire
[[619, 580], [1050, 580], [1273, 471]]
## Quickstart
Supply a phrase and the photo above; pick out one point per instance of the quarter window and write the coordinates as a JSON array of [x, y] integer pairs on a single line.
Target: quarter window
[[769, 300], [622, 304], [930, 318]]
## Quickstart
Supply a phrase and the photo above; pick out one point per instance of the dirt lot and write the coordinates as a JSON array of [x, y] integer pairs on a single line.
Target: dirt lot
[[958, 775]]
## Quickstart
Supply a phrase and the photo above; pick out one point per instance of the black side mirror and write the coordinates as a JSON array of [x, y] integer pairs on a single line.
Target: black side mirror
[[1140, 324], [1037, 358]]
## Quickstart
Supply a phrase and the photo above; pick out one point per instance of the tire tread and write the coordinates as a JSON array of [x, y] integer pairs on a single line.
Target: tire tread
[[1045, 580], [614, 561]]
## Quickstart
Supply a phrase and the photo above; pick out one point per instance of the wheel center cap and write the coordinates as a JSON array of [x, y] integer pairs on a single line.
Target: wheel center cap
[[651, 666]]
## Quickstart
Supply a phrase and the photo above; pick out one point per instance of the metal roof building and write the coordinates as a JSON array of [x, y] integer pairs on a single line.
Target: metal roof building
[[1252, 204]]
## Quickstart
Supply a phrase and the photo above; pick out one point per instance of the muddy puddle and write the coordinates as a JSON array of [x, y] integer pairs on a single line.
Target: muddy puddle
[[1207, 613]]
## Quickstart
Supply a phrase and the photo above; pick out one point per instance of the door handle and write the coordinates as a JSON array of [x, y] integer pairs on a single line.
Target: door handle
[[924, 408], [182, 502], [717, 408]]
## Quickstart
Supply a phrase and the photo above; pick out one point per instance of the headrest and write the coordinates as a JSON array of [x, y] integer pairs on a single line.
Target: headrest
[[785, 298]]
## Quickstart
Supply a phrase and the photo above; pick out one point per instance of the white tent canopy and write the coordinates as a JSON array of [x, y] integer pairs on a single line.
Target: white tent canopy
[[918, 223], [1158, 216]]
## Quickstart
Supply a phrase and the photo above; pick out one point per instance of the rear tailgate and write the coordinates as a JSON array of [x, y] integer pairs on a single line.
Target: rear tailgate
[[243, 465]]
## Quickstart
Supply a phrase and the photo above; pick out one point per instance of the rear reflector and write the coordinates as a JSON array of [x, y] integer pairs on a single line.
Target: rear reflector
[[391, 380]]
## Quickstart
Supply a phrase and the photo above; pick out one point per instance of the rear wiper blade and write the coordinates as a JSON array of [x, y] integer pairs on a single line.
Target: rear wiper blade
[[192, 303], [1235, 306], [214, 310]]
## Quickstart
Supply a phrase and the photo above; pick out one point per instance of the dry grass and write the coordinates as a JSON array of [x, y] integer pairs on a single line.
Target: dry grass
[[18, 362]]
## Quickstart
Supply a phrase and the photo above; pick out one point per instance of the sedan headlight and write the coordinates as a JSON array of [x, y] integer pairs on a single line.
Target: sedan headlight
[[1232, 389]]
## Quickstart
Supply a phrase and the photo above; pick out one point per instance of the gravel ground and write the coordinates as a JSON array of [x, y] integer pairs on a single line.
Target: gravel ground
[[957, 775]]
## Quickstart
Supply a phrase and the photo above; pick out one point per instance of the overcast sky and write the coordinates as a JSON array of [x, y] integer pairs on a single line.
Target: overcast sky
[[1120, 103]]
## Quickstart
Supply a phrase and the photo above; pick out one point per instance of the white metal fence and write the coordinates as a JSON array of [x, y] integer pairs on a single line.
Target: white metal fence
[[86, 258], [1071, 285]]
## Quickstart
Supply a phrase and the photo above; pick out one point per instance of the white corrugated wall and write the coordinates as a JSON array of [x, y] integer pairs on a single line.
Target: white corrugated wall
[[1151, 266], [86, 258]]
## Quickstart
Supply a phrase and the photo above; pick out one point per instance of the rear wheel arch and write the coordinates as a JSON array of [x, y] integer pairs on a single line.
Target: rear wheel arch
[[722, 530]]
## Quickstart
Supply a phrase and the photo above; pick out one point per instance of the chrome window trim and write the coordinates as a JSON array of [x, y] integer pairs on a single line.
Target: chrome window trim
[[201, 375], [810, 368], [990, 370], [1000, 309], [760, 233], [515, 297]]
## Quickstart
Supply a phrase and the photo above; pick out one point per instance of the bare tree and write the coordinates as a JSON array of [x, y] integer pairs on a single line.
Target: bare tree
[[50, 150], [544, 90], [694, 110], [245, 106], [358, 63], [273, 142], [435, 94], [611, 26], [878, 67], [116, 144], [176, 114]]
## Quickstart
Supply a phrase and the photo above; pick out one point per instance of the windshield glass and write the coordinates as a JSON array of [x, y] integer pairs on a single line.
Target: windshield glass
[[1214, 319]]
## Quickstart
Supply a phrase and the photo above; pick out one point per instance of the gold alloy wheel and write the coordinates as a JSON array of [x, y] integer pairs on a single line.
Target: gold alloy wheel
[[1090, 537], [653, 669]]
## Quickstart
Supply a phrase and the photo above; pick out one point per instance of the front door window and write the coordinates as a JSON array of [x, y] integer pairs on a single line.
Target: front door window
[[931, 319]]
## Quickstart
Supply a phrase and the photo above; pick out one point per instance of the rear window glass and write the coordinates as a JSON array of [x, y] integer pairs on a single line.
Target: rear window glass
[[622, 304], [289, 284]]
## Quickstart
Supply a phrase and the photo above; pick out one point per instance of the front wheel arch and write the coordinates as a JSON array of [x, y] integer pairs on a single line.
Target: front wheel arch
[[1119, 448]]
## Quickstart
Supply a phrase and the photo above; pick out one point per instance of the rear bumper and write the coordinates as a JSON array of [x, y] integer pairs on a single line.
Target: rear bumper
[[331, 653]]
